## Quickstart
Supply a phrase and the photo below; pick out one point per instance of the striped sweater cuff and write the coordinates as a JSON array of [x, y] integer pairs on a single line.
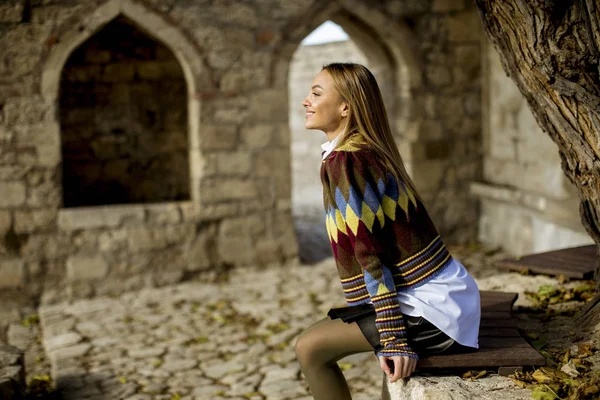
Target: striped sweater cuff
[[399, 348], [390, 324]]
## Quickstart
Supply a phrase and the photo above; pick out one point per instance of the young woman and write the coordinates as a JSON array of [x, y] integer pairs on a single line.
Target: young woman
[[406, 295]]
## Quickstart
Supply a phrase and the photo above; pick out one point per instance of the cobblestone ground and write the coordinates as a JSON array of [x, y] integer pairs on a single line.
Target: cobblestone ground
[[198, 340], [232, 340]]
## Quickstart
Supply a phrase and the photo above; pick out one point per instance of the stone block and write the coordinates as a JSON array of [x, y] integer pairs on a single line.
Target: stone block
[[269, 163], [448, 5], [28, 221], [268, 251], [257, 136], [28, 111], [427, 175], [237, 250], [100, 217], [234, 163], [21, 336], [97, 56], [269, 106], [453, 388], [468, 58], [224, 189], [437, 149], [119, 72], [218, 137], [5, 222], [465, 26], [168, 213], [69, 353], [199, 253], [431, 130], [243, 226], [12, 273], [11, 11], [151, 70], [208, 212], [438, 75], [83, 267], [12, 194], [141, 239], [12, 372]]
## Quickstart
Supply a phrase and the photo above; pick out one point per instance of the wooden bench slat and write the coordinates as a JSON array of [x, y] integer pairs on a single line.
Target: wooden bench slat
[[497, 323], [484, 357], [498, 332], [575, 262], [503, 342], [500, 343], [485, 314]]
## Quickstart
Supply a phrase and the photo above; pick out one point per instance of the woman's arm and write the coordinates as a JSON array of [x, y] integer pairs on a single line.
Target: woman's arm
[[365, 200]]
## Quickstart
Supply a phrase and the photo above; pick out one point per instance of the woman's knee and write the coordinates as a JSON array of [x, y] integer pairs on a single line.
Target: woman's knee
[[309, 349]]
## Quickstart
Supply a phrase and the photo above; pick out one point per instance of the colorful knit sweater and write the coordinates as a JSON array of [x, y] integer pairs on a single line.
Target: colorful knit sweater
[[381, 235]]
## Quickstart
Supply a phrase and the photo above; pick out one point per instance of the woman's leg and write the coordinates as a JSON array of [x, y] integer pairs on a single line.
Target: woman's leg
[[320, 347]]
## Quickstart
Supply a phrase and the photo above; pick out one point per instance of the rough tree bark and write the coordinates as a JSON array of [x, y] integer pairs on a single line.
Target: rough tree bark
[[551, 50]]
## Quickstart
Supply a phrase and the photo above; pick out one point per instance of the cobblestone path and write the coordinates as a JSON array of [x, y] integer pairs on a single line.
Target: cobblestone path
[[205, 341], [198, 341]]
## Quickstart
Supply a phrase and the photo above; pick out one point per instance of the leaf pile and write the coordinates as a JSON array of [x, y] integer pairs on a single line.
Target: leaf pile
[[474, 375], [569, 377], [550, 294], [40, 387]]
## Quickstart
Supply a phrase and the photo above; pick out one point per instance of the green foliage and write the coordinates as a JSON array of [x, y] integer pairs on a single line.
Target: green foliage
[[551, 294], [32, 319]]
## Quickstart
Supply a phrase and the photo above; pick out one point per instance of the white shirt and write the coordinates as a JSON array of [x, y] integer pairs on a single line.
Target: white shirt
[[328, 147], [450, 300]]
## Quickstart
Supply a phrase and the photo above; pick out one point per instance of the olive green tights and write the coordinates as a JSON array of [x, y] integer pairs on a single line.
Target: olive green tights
[[319, 348]]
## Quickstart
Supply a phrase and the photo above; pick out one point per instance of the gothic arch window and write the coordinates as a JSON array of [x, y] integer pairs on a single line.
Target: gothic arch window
[[327, 43], [124, 120]]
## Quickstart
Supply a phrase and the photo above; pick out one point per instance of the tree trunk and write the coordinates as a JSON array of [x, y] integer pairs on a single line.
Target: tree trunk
[[550, 49]]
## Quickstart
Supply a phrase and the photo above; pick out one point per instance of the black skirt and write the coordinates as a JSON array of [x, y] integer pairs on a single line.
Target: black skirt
[[422, 336]]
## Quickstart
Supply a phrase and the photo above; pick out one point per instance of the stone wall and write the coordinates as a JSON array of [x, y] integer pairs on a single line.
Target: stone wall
[[528, 205], [235, 60]]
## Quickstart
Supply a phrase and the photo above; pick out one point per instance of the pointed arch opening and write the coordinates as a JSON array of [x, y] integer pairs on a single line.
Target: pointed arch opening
[[123, 121], [354, 37]]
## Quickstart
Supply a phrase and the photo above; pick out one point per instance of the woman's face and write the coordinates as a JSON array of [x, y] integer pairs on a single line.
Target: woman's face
[[325, 107]]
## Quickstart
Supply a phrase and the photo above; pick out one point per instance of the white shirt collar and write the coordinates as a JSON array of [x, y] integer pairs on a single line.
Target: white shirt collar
[[328, 147]]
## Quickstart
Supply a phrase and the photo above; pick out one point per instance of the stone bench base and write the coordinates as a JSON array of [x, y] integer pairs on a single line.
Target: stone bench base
[[453, 388], [12, 373]]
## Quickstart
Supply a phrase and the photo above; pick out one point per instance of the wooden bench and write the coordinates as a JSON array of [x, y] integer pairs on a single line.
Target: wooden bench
[[573, 263], [500, 345]]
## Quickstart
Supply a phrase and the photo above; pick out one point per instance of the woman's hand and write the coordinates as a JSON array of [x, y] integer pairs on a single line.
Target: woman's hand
[[403, 366]]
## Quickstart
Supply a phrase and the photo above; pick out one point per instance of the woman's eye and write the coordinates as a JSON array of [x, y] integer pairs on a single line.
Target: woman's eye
[[315, 94]]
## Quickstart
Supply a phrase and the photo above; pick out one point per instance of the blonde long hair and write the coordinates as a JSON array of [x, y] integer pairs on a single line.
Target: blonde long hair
[[367, 116]]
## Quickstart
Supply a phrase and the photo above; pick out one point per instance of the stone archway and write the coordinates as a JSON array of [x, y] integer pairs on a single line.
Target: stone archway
[[196, 75], [395, 68], [382, 39], [123, 119]]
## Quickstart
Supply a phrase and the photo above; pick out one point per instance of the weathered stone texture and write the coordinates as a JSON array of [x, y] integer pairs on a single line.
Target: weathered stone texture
[[12, 373], [12, 273], [189, 119], [521, 162], [86, 268]]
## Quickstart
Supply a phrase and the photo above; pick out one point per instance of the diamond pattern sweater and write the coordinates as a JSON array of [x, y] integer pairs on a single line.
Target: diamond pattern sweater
[[382, 237]]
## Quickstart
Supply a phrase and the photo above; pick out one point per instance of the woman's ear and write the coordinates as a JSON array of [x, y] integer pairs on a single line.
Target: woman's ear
[[345, 110]]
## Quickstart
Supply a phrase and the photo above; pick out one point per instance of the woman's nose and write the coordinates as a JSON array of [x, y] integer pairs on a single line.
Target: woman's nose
[[305, 102]]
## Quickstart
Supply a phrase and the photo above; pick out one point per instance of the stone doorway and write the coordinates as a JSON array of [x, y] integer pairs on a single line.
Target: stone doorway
[[328, 43], [123, 115]]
